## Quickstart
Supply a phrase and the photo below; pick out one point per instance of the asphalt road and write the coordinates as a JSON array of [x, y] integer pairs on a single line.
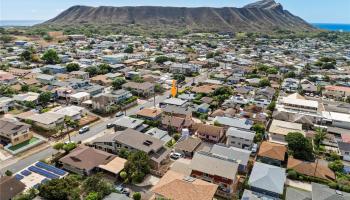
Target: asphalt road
[[16, 165]]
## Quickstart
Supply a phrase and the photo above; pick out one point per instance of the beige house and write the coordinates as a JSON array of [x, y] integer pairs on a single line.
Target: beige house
[[279, 130], [14, 132]]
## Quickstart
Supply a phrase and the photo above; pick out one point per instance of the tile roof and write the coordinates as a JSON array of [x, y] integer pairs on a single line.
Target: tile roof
[[10, 187], [272, 150], [319, 168]]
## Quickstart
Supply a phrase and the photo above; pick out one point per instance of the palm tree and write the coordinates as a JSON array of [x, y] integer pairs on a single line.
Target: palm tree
[[70, 123], [319, 136]]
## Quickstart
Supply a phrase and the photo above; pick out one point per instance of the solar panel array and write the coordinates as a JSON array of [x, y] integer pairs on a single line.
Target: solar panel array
[[25, 172], [18, 177], [50, 168], [43, 172]]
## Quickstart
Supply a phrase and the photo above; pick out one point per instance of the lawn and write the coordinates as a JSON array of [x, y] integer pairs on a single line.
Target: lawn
[[23, 144]]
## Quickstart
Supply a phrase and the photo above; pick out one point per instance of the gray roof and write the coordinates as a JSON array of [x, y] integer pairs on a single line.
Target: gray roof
[[159, 134], [234, 122], [116, 196], [323, 192], [138, 140], [343, 146], [267, 177], [10, 126], [251, 195], [128, 122], [177, 110], [174, 101], [240, 155], [297, 194], [241, 133], [214, 165]]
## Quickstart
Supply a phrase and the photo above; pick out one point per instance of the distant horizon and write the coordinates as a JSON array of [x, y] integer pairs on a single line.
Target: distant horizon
[[312, 11]]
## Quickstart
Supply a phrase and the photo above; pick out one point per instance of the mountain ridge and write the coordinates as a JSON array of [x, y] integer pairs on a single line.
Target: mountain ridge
[[263, 15]]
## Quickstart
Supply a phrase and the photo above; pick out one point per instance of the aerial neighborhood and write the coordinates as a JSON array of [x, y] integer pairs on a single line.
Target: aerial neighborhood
[[200, 116]]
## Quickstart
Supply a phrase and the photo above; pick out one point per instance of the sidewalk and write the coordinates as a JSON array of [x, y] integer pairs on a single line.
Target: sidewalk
[[299, 185]]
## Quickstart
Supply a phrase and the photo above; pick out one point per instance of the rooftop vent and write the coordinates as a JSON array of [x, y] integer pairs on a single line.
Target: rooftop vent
[[147, 142], [189, 179]]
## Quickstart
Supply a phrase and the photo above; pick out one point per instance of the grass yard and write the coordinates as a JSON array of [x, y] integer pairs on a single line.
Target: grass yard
[[23, 144]]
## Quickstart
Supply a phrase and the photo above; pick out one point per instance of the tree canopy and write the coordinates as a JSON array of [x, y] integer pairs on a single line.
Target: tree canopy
[[51, 57], [118, 82], [72, 67], [300, 146], [137, 166]]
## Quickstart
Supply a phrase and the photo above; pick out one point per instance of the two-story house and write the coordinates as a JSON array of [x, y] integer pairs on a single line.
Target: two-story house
[[240, 138]]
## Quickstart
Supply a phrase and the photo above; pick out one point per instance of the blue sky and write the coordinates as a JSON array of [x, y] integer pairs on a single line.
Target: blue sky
[[322, 11]]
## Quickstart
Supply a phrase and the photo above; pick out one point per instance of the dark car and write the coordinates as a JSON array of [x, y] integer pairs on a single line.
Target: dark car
[[110, 125]]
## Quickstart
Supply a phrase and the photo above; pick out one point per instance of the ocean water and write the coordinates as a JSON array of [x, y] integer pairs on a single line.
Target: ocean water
[[4, 23], [333, 27]]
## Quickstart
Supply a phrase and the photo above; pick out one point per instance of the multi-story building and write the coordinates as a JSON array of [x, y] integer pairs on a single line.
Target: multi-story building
[[14, 132]]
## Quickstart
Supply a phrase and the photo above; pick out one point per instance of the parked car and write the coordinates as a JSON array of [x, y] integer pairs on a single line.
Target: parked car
[[118, 114], [84, 129], [142, 107], [110, 125], [175, 155], [123, 190], [254, 149]]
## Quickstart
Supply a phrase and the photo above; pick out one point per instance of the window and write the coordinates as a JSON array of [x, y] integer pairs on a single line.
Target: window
[[16, 139], [25, 135], [347, 153], [233, 142]]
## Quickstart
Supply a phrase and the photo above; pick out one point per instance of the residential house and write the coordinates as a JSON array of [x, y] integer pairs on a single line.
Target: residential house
[[188, 146], [174, 185], [46, 79], [126, 122], [133, 140], [205, 89], [344, 149], [290, 85], [333, 91], [6, 103], [177, 123], [10, 187], [324, 192], [279, 129], [228, 122], [26, 97], [140, 89], [318, 168], [104, 102], [79, 97], [48, 120], [173, 102], [336, 119], [85, 160], [272, 153], [150, 114], [7, 78], [54, 69], [184, 68], [240, 138], [241, 156], [79, 75], [267, 179], [14, 132], [218, 170], [159, 134], [75, 112], [114, 59], [178, 111], [203, 108], [210, 133]]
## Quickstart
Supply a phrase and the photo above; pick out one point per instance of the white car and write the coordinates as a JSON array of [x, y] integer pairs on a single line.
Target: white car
[[175, 155]]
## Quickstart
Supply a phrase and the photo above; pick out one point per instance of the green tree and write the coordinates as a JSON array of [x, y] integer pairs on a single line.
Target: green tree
[[129, 49], [28, 195], [117, 83], [96, 183], [61, 189], [272, 70], [158, 88], [264, 82], [72, 67], [51, 57], [319, 137], [8, 173], [300, 146], [45, 97], [70, 123], [136, 196], [290, 74], [6, 91], [271, 107], [336, 166], [93, 196], [26, 55], [137, 166], [179, 77], [123, 175], [104, 68], [92, 70], [161, 59], [58, 146], [6, 38], [24, 88], [69, 146]]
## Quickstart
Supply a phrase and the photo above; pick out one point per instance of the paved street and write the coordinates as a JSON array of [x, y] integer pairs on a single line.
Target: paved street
[[17, 164]]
